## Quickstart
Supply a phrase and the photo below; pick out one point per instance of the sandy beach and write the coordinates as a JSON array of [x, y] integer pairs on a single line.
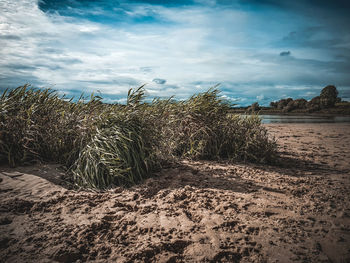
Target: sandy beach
[[200, 211]]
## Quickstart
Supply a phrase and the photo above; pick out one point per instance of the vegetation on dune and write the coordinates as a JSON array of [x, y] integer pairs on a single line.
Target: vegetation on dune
[[123, 149], [109, 144], [40, 125], [204, 129]]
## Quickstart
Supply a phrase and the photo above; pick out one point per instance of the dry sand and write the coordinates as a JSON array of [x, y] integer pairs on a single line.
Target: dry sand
[[193, 212]]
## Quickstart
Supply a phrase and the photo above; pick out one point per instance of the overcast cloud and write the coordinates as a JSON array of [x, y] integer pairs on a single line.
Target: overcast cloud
[[257, 50]]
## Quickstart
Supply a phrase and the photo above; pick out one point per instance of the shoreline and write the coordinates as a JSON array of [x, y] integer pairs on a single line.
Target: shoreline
[[294, 113], [194, 211]]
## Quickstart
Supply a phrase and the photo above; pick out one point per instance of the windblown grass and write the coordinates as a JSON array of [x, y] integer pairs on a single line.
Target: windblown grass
[[104, 145], [120, 152], [40, 125], [204, 129]]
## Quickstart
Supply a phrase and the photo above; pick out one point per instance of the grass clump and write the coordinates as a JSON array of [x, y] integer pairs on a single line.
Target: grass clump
[[109, 144], [39, 125], [120, 152], [114, 156], [204, 129]]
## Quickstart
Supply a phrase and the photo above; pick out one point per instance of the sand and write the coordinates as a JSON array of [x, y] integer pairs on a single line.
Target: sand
[[193, 211]]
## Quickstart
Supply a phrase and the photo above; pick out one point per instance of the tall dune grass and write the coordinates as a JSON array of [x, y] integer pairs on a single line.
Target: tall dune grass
[[203, 128], [38, 124], [109, 144], [121, 152]]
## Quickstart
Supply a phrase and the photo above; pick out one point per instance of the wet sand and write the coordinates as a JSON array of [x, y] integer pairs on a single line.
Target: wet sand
[[193, 211]]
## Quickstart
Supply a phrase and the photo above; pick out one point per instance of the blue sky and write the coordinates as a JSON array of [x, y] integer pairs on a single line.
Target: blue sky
[[257, 50]]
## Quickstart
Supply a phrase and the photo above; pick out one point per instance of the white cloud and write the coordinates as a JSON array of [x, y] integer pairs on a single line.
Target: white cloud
[[200, 43], [260, 97]]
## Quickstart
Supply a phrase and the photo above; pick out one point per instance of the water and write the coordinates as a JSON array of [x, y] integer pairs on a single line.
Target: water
[[303, 119]]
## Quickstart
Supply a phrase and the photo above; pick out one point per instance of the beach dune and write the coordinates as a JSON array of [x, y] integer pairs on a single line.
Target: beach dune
[[193, 211]]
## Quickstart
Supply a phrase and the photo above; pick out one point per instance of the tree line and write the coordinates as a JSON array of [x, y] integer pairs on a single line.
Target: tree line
[[327, 99]]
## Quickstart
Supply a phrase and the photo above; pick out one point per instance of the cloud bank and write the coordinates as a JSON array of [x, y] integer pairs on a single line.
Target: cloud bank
[[111, 46]]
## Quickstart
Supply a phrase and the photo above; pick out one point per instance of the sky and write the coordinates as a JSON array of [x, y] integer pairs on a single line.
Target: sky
[[257, 50]]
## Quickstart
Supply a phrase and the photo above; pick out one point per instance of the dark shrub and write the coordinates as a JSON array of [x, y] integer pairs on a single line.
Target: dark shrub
[[300, 104], [254, 107], [328, 97], [314, 104], [283, 103], [289, 107], [273, 104]]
